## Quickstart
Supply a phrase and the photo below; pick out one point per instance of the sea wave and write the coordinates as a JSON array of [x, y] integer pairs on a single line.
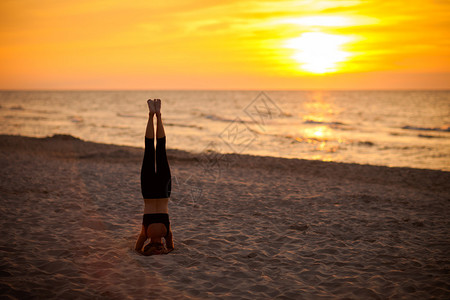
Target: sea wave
[[183, 125], [76, 119], [428, 136], [45, 111], [216, 118], [315, 140], [324, 123], [124, 115], [226, 120], [444, 128], [17, 107], [25, 118]]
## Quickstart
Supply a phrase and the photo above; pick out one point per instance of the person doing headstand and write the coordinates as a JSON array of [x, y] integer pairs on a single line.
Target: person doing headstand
[[155, 187]]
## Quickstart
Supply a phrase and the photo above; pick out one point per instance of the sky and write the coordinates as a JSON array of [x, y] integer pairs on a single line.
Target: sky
[[235, 44]]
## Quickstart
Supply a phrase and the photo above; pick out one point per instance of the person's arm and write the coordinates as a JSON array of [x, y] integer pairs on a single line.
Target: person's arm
[[140, 241], [169, 240]]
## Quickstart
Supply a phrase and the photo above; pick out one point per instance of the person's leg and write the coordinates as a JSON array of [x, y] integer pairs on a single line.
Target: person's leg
[[150, 132], [148, 167], [162, 165], [159, 126], [148, 174]]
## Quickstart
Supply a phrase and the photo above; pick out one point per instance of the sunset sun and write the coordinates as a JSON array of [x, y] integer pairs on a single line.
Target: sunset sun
[[318, 52]]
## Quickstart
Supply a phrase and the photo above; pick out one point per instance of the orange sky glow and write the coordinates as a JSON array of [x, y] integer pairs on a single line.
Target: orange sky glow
[[245, 44]]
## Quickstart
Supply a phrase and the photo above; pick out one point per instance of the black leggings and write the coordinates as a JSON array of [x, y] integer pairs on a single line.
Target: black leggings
[[155, 184]]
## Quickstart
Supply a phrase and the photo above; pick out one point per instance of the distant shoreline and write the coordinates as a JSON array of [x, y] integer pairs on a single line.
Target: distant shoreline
[[70, 147], [226, 90]]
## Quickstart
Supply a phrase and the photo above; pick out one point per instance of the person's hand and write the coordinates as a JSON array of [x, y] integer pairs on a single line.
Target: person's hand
[[155, 249]]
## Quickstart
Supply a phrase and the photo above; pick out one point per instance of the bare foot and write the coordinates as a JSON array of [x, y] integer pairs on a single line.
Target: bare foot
[[157, 106], [151, 106]]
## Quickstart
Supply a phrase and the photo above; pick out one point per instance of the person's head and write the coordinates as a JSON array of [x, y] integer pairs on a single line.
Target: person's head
[[156, 231]]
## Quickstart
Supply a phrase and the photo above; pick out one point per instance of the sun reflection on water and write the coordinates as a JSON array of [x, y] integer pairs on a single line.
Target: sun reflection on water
[[319, 133], [319, 130]]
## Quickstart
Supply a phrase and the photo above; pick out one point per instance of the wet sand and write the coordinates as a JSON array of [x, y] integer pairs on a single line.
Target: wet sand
[[245, 227]]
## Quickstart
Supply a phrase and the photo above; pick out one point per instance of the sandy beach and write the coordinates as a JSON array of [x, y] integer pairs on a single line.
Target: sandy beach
[[245, 227]]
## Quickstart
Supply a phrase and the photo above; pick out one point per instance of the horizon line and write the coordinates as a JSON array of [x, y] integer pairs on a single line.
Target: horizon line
[[214, 90]]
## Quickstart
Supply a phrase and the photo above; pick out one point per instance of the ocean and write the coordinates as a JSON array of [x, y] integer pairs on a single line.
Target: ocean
[[388, 128]]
